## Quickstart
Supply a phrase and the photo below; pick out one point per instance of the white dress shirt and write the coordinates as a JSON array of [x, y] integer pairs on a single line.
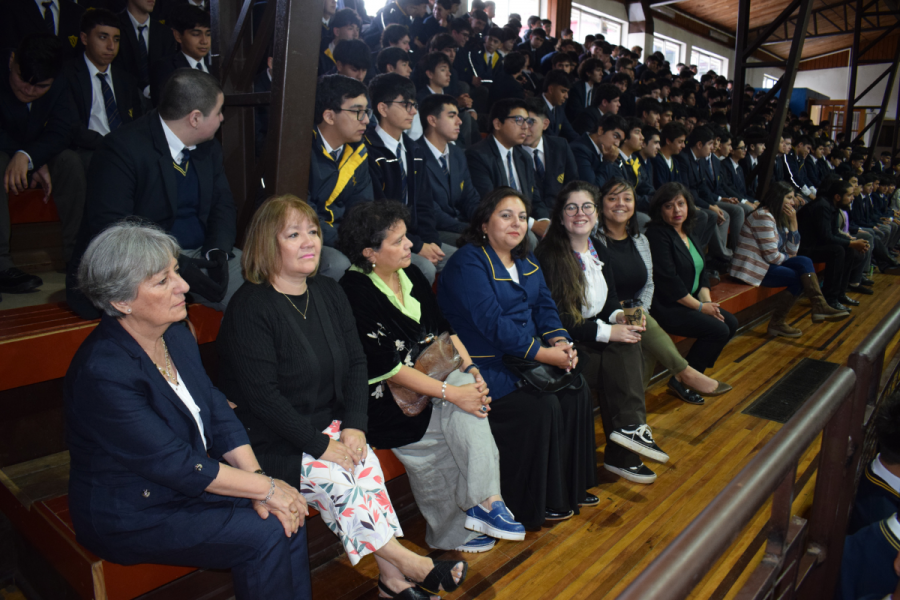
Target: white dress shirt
[[595, 294], [99, 120], [503, 152], [185, 396], [328, 147], [146, 35], [889, 478], [391, 144], [438, 154], [193, 63], [175, 144], [54, 9]]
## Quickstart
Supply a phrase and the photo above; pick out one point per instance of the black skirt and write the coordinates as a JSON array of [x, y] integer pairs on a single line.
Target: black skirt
[[547, 450]]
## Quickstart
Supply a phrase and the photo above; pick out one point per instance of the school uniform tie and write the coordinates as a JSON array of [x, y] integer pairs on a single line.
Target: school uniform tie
[[182, 167], [109, 101], [539, 169], [587, 101], [510, 174], [48, 17], [335, 154], [403, 179], [143, 65], [444, 166], [739, 177]]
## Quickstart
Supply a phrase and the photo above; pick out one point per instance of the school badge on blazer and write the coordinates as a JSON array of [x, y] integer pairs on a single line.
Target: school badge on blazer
[[130, 113], [73, 39], [461, 184], [561, 177]]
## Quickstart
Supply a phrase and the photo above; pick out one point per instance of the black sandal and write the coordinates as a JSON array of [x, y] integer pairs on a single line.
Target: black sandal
[[413, 593], [441, 577]]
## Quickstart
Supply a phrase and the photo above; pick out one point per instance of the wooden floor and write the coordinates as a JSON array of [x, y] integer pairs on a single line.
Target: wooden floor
[[597, 553]]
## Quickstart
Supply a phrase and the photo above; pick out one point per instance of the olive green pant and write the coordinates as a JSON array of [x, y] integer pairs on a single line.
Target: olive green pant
[[659, 347]]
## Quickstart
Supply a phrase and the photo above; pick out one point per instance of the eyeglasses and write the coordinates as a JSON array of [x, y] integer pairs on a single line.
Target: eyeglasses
[[588, 208], [360, 112], [522, 121], [741, 148], [409, 105]]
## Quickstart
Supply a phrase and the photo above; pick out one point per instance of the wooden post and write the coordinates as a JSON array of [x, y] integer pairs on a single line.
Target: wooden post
[[560, 12], [854, 66]]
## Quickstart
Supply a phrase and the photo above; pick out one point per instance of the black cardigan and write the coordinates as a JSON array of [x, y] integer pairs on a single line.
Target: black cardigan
[[269, 369], [389, 337], [586, 331], [673, 267]]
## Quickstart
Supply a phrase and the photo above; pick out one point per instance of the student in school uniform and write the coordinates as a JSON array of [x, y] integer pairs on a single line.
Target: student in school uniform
[[345, 25], [59, 18], [191, 29], [105, 95], [143, 42], [36, 116], [168, 168], [397, 169]]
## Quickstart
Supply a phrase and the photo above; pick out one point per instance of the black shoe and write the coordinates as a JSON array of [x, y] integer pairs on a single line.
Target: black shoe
[[639, 439], [688, 395], [16, 281], [860, 289], [836, 305], [555, 515], [638, 473], [589, 500], [866, 281], [848, 301]]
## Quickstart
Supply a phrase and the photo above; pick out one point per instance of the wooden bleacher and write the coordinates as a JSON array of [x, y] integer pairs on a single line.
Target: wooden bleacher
[[36, 345]]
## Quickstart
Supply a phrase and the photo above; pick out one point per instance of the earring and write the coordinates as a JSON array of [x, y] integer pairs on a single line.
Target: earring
[[129, 311], [373, 263]]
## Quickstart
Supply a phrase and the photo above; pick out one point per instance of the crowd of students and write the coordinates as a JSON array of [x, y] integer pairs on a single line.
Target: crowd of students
[[578, 202]]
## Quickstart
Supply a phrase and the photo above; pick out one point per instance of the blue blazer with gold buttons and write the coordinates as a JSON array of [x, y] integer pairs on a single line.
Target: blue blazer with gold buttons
[[493, 315], [139, 466]]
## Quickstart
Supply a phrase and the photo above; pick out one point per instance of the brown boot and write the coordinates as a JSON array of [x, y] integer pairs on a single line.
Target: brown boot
[[820, 309], [778, 324]]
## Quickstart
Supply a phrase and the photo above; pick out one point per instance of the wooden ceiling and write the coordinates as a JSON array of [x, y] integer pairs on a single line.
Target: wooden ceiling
[[830, 26]]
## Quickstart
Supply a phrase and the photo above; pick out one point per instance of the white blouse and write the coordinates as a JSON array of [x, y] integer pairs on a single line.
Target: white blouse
[[595, 295], [185, 396]]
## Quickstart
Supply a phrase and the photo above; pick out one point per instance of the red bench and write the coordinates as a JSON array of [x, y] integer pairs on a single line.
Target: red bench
[[29, 207]]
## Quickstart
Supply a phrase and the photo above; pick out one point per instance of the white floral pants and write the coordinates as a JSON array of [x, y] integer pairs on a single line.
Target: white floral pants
[[355, 506]]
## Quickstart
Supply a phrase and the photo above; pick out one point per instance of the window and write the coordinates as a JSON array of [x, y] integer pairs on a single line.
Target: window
[[586, 21], [525, 8], [707, 61], [670, 48], [769, 82]]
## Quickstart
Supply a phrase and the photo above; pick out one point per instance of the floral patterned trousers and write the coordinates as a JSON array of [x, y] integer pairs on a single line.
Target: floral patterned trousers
[[355, 506]]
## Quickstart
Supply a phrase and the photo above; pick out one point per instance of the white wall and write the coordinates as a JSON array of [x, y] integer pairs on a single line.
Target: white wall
[[834, 82], [691, 39]]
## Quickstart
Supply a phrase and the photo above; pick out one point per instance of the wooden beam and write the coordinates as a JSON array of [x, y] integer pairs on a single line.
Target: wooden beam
[[560, 12], [879, 120], [740, 74], [289, 142], [854, 67]]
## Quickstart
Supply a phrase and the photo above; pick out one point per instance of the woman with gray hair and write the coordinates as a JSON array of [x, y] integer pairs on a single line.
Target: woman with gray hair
[[147, 434]]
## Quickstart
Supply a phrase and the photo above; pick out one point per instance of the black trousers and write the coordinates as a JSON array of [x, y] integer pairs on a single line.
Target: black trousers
[[704, 227], [547, 450], [620, 391], [839, 263], [710, 333]]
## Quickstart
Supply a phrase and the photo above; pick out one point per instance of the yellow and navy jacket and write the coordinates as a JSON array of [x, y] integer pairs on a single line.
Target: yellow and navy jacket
[[875, 501], [867, 567], [336, 186], [493, 315]]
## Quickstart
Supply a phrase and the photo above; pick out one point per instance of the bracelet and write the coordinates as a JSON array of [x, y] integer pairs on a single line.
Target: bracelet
[[700, 308], [470, 367], [259, 472], [444, 391], [271, 491]]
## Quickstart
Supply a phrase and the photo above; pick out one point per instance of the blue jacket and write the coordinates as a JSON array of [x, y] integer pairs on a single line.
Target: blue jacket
[[662, 174], [696, 177], [335, 187], [862, 213], [875, 501], [455, 197], [591, 166], [139, 467], [493, 315], [867, 567]]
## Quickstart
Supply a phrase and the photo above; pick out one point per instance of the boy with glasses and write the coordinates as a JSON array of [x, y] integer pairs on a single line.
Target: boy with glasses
[[733, 176], [339, 169], [397, 169]]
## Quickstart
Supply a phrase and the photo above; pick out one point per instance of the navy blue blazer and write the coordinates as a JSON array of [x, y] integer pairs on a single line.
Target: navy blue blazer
[[560, 126], [750, 182], [162, 44], [733, 181], [455, 198], [705, 187], [559, 169], [493, 315], [591, 166], [575, 104], [473, 65], [139, 467], [487, 170], [867, 566], [662, 174], [875, 501]]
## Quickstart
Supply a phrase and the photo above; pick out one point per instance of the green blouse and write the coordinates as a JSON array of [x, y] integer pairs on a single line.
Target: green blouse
[[698, 266]]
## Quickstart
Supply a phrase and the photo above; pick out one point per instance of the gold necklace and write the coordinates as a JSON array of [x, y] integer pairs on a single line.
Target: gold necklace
[[306, 309], [167, 372]]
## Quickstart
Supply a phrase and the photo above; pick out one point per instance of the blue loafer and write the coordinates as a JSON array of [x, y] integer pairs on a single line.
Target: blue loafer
[[499, 523], [482, 543]]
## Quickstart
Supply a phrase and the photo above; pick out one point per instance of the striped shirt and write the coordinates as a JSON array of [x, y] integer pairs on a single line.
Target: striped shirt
[[761, 245]]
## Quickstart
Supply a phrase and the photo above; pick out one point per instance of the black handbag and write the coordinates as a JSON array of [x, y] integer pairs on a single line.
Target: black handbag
[[543, 377]]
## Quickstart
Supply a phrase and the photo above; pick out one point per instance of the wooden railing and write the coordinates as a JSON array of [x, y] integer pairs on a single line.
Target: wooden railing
[[802, 558]]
